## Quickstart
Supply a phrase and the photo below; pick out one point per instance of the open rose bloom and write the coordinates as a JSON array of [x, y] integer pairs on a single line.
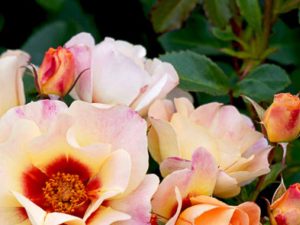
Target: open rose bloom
[[177, 130], [77, 165], [119, 73]]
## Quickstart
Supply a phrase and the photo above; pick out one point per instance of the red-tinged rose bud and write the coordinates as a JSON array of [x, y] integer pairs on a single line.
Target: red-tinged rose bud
[[286, 209], [57, 72], [282, 118]]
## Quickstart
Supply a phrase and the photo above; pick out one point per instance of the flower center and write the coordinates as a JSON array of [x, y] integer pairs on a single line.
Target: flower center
[[65, 192]]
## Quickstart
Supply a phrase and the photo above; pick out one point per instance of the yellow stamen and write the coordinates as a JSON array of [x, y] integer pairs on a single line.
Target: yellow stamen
[[65, 192]]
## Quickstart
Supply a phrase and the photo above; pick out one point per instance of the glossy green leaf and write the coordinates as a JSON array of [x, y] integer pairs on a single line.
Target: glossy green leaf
[[51, 5], [196, 36], [250, 10], [198, 73], [286, 40], [218, 12], [263, 82], [170, 14]]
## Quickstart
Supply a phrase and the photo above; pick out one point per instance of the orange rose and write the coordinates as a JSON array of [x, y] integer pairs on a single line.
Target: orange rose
[[204, 210], [57, 72], [282, 118], [286, 209]]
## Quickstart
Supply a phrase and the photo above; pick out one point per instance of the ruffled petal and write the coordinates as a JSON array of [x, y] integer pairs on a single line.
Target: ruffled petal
[[203, 170], [116, 77], [138, 203]]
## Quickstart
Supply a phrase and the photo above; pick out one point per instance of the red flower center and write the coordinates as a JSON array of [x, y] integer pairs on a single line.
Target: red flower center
[[65, 192]]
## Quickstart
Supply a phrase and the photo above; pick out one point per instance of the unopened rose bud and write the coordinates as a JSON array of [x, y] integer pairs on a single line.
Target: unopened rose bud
[[282, 118], [57, 72], [286, 209]]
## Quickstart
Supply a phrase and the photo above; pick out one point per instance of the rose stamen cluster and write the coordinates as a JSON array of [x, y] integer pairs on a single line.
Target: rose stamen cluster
[[65, 192]]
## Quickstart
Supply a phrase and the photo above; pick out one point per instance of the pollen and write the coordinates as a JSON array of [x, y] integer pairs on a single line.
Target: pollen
[[64, 193]]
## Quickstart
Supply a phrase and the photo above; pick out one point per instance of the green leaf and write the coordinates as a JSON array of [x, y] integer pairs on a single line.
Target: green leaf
[[196, 36], [286, 40], [29, 87], [51, 5], [198, 73], [263, 82], [218, 12], [50, 35], [147, 5], [224, 35], [271, 177], [169, 14], [251, 11]]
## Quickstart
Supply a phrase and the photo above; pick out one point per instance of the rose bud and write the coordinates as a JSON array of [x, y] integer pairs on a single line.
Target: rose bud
[[286, 209], [281, 120], [56, 74]]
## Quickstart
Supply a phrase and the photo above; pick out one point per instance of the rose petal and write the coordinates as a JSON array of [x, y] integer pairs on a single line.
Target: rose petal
[[138, 203]]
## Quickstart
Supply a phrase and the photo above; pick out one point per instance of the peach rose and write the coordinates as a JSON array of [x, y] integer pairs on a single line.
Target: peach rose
[[178, 130], [120, 73], [57, 72], [204, 210], [282, 118], [12, 67], [77, 165], [286, 209]]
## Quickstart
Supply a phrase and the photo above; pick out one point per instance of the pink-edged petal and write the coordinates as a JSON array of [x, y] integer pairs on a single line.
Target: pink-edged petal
[[13, 215], [43, 113], [35, 214], [203, 170], [11, 73], [81, 46], [114, 125], [138, 203], [107, 215], [173, 219], [226, 186], [116, 77], [172, 164], [62, 218], [165, 145]]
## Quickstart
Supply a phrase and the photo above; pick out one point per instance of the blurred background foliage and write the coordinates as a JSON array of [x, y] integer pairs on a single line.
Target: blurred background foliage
[[221, 49]]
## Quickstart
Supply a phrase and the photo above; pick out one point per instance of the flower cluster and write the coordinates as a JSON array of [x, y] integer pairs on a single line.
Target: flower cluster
[[87, 163]]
